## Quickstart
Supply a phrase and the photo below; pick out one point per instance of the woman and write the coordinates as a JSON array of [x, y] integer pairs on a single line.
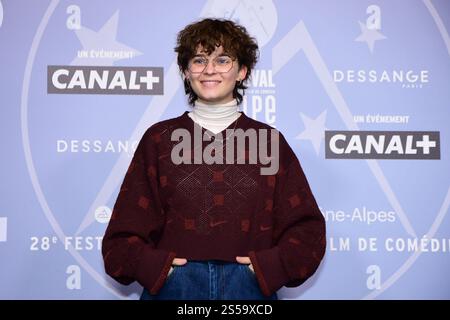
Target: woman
[[188, 224]]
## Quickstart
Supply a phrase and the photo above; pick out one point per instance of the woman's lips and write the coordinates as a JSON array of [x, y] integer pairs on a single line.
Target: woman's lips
[[210, 83]]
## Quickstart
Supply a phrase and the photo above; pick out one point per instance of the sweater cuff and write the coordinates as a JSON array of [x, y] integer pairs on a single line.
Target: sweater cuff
[[269, 270], [153, 267]]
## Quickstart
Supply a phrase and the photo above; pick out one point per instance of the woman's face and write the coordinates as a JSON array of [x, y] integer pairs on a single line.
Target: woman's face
[[211, 85]]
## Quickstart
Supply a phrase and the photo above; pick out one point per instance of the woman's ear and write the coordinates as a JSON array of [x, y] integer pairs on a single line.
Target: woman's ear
[[242, 73]]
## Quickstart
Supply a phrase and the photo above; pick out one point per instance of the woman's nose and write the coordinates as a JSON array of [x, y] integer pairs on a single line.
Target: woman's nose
[[210, 68]]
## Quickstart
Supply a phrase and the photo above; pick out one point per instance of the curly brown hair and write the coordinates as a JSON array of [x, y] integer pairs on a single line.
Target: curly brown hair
[[211, 33]]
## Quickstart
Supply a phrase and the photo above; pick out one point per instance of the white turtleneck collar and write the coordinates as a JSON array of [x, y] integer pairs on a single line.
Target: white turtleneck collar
[[215, 116]]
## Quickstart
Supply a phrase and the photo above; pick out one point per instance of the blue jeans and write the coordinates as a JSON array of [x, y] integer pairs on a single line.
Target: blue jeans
[[210, 280]]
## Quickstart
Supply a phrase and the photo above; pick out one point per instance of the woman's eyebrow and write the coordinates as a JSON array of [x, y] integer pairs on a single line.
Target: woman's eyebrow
[[219, 55]]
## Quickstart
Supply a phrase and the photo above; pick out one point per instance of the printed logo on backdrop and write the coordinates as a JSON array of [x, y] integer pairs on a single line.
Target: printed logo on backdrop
[[103, 214], [86, 73], [260, 98], [104, 80], [96, 146], [407, 79], [382, 145], [370, 34]]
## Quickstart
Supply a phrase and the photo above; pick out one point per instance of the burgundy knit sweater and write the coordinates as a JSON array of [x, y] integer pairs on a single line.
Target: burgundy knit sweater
[[212, 211]]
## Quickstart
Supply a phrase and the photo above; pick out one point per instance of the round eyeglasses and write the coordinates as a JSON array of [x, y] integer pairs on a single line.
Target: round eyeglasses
[[222, 64]]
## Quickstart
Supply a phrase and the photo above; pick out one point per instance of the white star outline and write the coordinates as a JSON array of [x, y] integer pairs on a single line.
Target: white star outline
[[314, 130], [369, 36]]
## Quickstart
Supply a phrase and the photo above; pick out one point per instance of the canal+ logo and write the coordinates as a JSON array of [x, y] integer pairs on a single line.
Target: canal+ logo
[[382, 145], [105, 80]]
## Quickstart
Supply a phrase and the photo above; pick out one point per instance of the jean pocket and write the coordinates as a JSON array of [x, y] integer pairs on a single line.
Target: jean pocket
[[249, 271]]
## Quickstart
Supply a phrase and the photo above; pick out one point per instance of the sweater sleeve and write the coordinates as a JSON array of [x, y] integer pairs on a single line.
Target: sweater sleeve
[[129, 244], [298, 230]]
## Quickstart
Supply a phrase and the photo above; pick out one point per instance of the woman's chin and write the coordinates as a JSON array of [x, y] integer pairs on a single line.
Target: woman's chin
[[213, 99]]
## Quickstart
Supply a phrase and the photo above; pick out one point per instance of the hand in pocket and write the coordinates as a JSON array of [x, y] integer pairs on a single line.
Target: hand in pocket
[[247, 261], [176, 262]]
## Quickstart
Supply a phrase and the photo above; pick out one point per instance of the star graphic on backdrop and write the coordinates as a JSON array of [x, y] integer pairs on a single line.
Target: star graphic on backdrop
[[314, 130], [369, 36], [104, 39]]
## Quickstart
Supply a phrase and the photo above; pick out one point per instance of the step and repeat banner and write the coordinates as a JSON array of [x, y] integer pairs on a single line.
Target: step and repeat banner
[[360, 89]]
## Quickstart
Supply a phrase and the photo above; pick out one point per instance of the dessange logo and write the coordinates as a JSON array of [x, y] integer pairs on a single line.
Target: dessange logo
[[406, 78], [105, 80]]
